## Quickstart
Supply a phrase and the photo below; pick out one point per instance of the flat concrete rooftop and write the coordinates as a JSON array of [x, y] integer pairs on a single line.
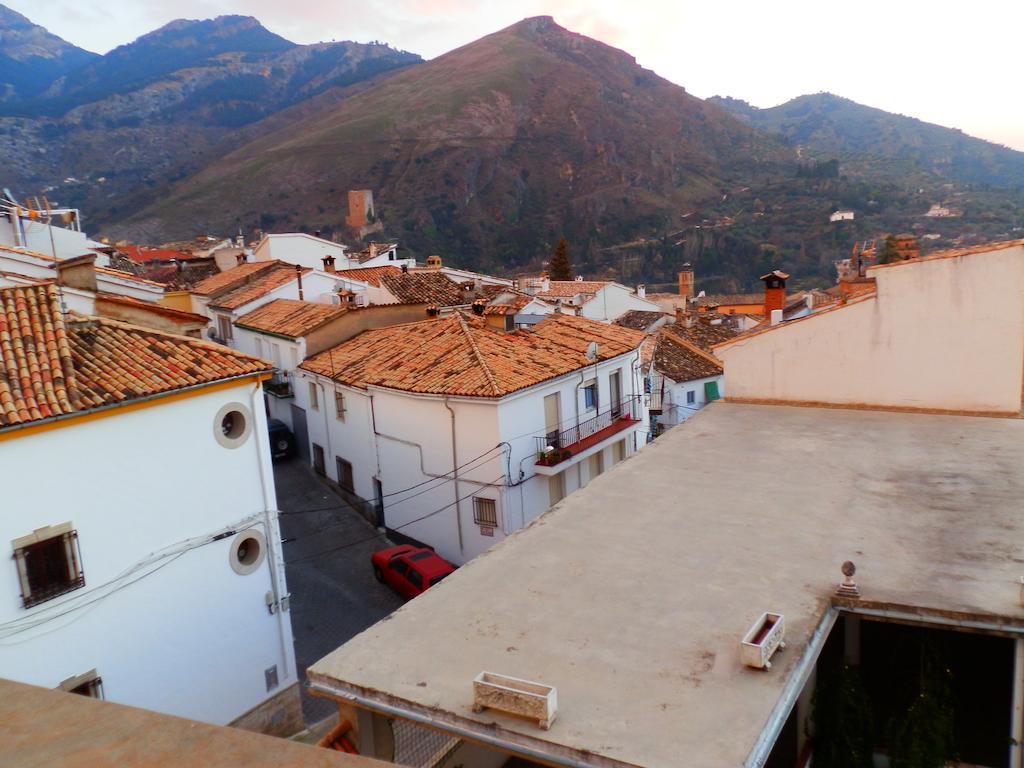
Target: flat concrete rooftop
[[631, 595], [43, 727]]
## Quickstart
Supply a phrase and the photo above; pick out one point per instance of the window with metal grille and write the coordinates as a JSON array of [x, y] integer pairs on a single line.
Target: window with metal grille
[[48, 563], [485, 512], [224, 327], [590, 395], [691, 397], [345, 474], [339, 405], [314, 401]]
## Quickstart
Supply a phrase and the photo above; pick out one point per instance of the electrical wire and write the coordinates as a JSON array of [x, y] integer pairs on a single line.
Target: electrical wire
[[317, 555]]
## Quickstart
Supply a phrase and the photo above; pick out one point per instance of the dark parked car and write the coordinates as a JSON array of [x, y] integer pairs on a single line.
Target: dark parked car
[[409, 570], [282, 441]]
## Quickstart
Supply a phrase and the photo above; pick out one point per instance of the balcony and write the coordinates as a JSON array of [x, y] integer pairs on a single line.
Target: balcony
[[576, 440], [278, 385]]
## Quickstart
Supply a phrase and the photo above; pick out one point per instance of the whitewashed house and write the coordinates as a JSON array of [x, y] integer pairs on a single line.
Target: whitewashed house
[[226, 296], [681, 379], [600, 300], [841, 216], [457, 432], [310, 250], [287, 331], [57, 233], [144, 562]]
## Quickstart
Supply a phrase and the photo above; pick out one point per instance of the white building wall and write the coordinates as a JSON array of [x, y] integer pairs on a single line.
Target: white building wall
[[298, 248], [613, 301], [412, 453], [940, 334], [284, 354], [191, 639], [676, 409]]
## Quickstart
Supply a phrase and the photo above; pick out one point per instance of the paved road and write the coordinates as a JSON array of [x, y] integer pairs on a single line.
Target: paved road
[[334, 596]]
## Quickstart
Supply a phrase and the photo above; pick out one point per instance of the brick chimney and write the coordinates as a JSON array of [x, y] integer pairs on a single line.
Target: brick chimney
[[774, 291], [328, 263], [686, 282]]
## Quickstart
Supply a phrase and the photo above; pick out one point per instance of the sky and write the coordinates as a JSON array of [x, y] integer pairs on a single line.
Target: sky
[[955, 64]]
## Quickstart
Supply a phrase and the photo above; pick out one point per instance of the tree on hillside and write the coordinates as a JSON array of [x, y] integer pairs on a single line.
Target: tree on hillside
[[889, 253], [560, 267]]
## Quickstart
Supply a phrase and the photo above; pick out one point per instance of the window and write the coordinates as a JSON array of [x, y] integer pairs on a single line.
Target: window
[[339, 405], [259, 347], [48, 563], [224, 327], [232, 425], [415, 578], [90, 684], [590, 394], [691, 396], [314, 400], [319, 465], [485, 512], [399, 566], [618, 451], [344, 474]]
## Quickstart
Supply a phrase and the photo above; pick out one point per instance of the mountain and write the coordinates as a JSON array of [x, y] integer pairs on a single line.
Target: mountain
[[31, 58], [490, 152], [118, 128], [829, 124]]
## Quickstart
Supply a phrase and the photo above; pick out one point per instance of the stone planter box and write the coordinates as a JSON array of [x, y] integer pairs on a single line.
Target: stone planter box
[[515, 697], [766, 636]]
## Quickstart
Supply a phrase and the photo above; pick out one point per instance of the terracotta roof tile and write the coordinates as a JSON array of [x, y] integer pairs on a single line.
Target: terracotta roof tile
[[566, 288], [371, 275], [679, 360], [288, 317], [52, 367], [150, 306], [704, 332], [142, 254], [460, 355], [247, 282], [424, 287], [639, 319], [231, 278]]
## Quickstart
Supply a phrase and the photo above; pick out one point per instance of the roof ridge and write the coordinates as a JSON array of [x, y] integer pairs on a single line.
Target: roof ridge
[[479, 355], [692, 347]]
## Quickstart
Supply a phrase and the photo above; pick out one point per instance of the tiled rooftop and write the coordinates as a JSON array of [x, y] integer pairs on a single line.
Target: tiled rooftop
[[423, 287], [51, 367], [460, 355], [726, 299], [232, 278], [246, 284], [704, 332], [141, 254], [150, 306], [639, 319], [289, 317], [679, 360], [371, 275], [568, 288]]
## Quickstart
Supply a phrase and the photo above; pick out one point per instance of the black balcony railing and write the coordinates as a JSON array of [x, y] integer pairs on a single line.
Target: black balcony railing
[[556, 447], [278, 385]]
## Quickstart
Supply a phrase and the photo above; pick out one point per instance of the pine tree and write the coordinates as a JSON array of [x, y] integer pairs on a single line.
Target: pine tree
[[561, 267], [889, 253]]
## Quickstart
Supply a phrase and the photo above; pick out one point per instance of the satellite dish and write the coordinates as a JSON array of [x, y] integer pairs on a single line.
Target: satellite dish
[[592, 351]]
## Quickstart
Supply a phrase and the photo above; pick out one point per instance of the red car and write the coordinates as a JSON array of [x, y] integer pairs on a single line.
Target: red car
[[409, 570]]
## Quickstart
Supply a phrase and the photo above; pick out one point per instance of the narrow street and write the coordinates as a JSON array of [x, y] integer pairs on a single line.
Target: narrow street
[[327, 560]]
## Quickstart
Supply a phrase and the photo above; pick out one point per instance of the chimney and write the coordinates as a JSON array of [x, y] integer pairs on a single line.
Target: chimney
[[316, 233], [545, 282], [373, 250], [433, 311], [298, 276], [434, 262], [240, 258], [775, 317], [686, 281], [641, 291], [774, 291], [78, 272], [328, 264], [405, 269], [478, 306]]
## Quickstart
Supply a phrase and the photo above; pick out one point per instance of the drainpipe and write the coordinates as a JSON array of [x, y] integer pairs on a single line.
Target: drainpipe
[[273, 541], [298, 276], [455, 477], [1017, 710]]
